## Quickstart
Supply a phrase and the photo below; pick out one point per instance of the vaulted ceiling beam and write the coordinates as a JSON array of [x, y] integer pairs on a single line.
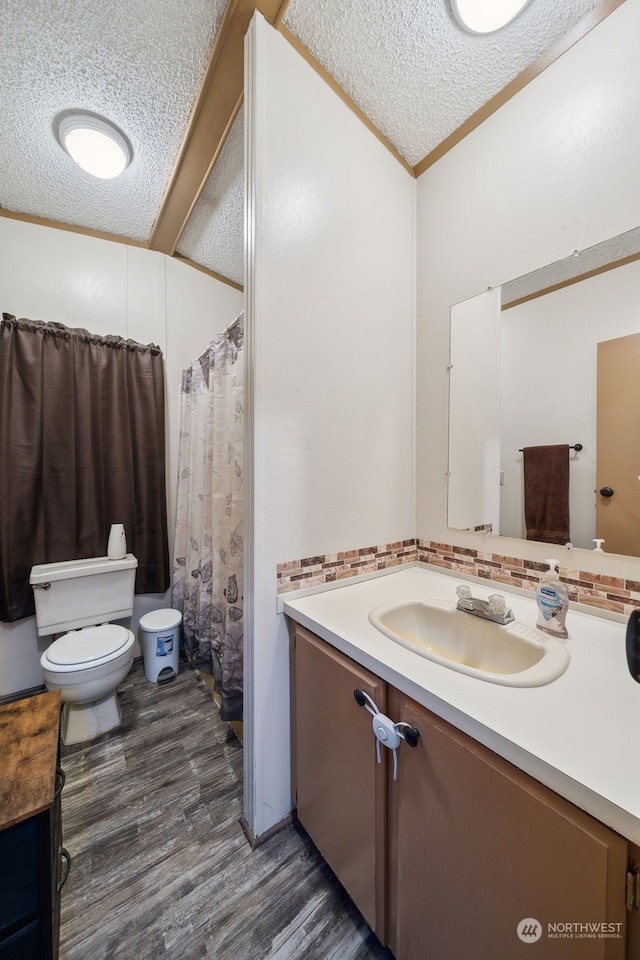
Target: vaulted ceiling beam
[[214, 111]]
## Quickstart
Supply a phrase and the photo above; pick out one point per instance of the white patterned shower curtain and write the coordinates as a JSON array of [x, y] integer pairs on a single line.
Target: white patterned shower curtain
[[207, 566]]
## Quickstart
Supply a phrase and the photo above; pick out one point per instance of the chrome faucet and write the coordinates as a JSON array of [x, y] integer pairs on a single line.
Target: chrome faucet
[[494, 608]]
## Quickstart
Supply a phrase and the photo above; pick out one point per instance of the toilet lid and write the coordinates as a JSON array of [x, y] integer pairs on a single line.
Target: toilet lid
[[90, 643]]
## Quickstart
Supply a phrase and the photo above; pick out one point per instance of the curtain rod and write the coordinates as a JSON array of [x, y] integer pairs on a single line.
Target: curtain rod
[[204, 357], [234, 323]]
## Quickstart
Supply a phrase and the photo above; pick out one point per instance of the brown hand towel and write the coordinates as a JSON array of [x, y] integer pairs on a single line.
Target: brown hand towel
[[546, 493]]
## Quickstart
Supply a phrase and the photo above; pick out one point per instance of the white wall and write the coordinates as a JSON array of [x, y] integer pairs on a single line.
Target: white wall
[[108, 288], [554, 170], [330, 332]]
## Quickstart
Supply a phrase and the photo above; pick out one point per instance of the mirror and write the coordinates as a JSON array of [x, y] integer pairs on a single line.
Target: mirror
[[562, 343]]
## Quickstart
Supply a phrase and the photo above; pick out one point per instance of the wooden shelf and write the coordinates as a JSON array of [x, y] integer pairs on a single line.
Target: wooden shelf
[[29, 740]]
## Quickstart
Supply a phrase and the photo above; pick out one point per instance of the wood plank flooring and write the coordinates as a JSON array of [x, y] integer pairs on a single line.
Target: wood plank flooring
[[161, 869]]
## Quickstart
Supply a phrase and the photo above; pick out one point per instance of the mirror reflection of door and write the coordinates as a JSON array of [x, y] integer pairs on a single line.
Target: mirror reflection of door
[[618, 445]]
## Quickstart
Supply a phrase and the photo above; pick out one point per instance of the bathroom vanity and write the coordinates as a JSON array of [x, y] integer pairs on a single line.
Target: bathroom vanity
[[510, 804], [33, 862]]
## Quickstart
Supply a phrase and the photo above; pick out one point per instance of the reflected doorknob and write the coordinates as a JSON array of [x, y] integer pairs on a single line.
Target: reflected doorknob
[[606, 491]]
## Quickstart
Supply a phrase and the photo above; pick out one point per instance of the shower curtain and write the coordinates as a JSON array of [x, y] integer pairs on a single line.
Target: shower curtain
[[207, 584], [82, 434]]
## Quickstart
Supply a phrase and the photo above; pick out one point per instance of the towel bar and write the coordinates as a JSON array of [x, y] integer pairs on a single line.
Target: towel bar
[[575, 446]]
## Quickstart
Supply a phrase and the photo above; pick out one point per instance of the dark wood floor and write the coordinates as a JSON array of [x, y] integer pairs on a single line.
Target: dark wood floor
[[161, 869]]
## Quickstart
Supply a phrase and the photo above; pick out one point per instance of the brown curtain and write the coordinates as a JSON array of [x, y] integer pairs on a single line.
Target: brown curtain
[[81, 447]]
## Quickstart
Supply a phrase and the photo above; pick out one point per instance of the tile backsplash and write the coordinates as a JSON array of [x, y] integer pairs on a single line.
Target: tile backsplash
[[329, 567], [607, 593]]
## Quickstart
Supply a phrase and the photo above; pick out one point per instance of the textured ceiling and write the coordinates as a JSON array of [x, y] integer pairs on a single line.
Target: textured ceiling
[[406, 64], [411, 68], [214, 234], [138, 63], [593, 259]]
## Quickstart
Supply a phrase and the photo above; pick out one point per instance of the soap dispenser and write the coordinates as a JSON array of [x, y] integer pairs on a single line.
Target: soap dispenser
[[553, 602]]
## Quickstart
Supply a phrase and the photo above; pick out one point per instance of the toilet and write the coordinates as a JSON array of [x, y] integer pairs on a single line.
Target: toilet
[[75, 602]]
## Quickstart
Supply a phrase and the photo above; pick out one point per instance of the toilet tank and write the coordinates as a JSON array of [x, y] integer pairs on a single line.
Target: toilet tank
[[82, 593]]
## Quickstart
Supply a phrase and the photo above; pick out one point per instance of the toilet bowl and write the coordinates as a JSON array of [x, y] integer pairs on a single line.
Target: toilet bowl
[[87, 666]]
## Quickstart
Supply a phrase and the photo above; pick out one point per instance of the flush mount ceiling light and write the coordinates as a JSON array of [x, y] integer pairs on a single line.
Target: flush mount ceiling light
[[485, 16], [95, 144]]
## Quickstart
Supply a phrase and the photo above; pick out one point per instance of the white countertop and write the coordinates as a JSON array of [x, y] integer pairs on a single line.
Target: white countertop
[[579, 735]]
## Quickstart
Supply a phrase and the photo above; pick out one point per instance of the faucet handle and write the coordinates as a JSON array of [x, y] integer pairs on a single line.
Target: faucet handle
[[497, 604], [465, 600]]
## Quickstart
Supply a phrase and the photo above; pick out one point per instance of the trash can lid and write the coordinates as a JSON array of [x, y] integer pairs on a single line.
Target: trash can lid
[[160, 619]]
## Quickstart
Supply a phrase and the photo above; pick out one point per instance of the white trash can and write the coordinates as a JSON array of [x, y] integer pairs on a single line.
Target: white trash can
[[161, 644]]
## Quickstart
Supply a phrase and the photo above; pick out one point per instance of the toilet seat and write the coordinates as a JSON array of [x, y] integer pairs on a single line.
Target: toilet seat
[[80, 649]]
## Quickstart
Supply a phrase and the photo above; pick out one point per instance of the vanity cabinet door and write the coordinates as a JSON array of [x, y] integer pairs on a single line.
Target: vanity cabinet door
[[25, 890], [477, 846], [60, 859], [339, 788]]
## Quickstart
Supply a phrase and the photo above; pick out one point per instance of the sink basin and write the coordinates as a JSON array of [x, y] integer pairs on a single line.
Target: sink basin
[[514, 654]]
